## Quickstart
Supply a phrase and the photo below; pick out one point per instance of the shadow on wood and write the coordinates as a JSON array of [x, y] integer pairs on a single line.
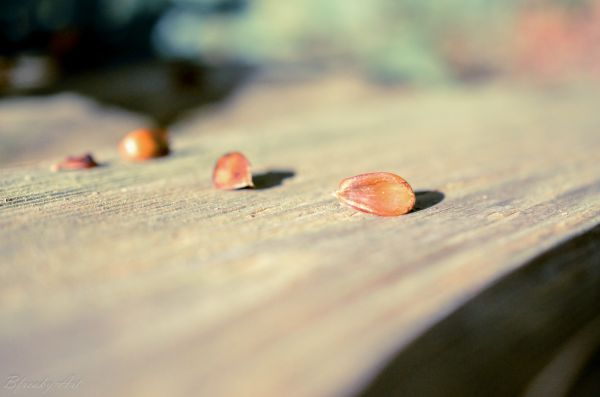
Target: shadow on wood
[[271, 178], [501, 339], [588, 383], [427, 199], [160, 89]]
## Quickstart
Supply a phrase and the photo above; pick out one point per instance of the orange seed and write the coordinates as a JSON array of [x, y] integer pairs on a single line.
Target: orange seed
[[378, 193], [144, 144], [76, 163], [232, 171]]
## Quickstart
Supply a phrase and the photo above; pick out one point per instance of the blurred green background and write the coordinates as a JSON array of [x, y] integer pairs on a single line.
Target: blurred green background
[[414, 41]]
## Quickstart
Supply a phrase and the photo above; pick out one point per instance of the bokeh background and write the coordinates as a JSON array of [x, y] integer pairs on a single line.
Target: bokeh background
[[420, 41], [161, 59]]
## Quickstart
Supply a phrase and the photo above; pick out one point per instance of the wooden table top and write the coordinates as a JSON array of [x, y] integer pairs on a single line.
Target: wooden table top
[[142, 280]]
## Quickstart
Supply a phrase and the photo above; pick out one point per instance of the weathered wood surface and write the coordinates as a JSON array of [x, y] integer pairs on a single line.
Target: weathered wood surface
[[141, 280]]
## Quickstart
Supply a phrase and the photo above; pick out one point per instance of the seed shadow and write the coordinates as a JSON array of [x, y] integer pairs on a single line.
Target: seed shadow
[[271, 179], [427, 199]]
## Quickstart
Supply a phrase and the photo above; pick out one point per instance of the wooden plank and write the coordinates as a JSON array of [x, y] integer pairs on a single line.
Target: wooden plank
[[37, 128], [140, 279]]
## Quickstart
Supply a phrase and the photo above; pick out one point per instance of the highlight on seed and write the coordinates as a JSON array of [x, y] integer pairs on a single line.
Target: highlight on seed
[[232, 171], [144, 144], [75, 163], [377, 193]]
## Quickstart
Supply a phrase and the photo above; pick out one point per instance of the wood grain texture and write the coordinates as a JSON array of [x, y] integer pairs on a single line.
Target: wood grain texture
[[142, 280]]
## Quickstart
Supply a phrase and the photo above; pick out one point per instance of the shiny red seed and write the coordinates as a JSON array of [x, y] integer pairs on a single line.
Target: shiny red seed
[[76, 163], [232, 171], [144, 144], [378, 193]]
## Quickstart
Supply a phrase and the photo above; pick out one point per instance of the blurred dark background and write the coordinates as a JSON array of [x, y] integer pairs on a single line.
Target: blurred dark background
[[114, 51]]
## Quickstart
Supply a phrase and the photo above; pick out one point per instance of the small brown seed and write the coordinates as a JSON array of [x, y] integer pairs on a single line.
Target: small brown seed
[[144, 144], [75, 163], [232, 171], [378, 193]]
